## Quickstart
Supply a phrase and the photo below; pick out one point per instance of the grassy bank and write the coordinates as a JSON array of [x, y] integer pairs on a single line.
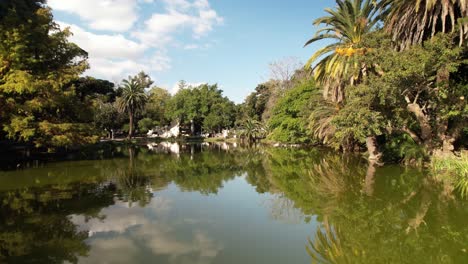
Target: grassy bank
[[454, 169]]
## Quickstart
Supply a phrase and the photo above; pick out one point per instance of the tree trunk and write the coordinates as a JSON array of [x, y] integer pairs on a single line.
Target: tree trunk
[[130, 129], [423, 120], [374, 154], [131, 157], [447, 138], [370, 178]]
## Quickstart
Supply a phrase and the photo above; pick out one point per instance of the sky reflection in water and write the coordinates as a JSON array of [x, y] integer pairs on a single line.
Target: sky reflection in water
[[225, 204]]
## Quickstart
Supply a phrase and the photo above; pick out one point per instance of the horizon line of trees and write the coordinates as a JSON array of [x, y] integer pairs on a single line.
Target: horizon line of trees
[[391, 82]]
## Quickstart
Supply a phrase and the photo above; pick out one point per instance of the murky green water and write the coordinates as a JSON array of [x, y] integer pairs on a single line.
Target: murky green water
[[221, 204]]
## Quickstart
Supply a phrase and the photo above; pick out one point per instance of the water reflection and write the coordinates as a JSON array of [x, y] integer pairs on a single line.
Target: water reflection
[[35, 226], [190, 204], [129, 234]]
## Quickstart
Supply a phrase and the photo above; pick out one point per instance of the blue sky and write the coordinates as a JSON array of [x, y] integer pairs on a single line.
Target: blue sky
[[200, 41]]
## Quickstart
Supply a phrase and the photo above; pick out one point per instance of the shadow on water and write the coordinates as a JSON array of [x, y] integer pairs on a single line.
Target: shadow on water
[[362, 214]]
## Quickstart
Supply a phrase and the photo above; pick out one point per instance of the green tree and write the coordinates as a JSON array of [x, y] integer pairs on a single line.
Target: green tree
[[146, 124], [251, 130], [107, 117], [156, 108], [408, 96], [347, 25], [221, 116], [204, 105], [37, 63], [91, 87], [256, 103], [133, 98], [289, 121]]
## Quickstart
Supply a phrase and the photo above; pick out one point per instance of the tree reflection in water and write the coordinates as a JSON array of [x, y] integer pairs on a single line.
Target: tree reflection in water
[[35, 224], [132, 183], [364, 214], [367, 214]]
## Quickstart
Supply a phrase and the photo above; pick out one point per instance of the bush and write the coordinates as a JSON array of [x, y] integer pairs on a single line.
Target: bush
[[288, 123], [455, 169]]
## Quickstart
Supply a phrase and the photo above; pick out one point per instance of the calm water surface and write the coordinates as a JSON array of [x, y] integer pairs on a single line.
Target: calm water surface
[[172, 203]]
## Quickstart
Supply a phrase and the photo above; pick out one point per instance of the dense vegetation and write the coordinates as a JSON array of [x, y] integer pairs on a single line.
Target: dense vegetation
[[392, 81]]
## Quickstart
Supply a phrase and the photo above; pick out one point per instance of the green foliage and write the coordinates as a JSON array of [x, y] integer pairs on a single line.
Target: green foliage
[[89, 87], [255, 104], [400, 147], [412, 98], [65, 134], [417, 78], [133, 99], [42, 99], [107, 117], [156, 107], [146, 124], [288, 122], [347, 25], [454, 169], [205, 105], [252, 130], [415, 95], [357, 120], [221, 116]]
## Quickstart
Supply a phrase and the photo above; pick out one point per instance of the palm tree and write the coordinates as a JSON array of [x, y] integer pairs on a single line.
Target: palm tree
[[252, 130], [347, 25], [132, 100], [321, 120], [413, 21]]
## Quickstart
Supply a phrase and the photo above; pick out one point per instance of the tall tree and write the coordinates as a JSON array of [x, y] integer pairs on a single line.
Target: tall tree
[[133, 98], [413, 21], [256, 103], [203, 105], [156, 107], [346, 25], [349, 24], [37, 62]]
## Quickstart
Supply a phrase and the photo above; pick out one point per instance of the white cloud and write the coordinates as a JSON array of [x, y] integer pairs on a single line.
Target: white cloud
[[111, 250], [103, 45], [161, 239], [113, 15], [114, 56], [124, 48], [116, 69], [126, 233], [176, 86], [197, 17], [160, 27], [191, 47]]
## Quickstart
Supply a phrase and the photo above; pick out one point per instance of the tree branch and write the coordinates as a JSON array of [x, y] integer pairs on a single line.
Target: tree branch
[[412, 134]]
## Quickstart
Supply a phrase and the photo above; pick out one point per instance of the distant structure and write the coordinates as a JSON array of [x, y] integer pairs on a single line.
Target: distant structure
[[225, 133], [173, 132]]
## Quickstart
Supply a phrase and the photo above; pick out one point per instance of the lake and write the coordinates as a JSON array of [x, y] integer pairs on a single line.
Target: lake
[[220, 203]]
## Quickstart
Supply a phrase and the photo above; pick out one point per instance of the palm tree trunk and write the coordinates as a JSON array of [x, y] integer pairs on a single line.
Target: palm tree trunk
[[130, 129]]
